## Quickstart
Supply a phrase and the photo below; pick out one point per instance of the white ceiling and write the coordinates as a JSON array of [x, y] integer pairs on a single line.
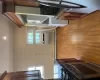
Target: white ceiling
[[92, 5]]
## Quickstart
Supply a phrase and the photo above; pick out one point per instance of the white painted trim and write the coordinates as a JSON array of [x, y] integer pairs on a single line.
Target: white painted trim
[[33, 14], [55, 46]]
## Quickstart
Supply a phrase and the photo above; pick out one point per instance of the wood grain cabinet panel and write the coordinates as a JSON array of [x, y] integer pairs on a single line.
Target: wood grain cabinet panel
[[80, 39]]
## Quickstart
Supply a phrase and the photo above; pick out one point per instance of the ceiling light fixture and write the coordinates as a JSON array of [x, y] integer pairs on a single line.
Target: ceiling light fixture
[[4, 37]]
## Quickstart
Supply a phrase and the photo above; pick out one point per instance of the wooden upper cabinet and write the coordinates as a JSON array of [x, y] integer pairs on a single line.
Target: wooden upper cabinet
[[80, 39], [71, 15], [8, 10], [8, 7], [30, 3]]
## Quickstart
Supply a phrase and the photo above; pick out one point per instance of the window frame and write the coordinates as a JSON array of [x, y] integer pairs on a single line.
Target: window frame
[[35, 68], [40, 36], [34, 36], [57, 66]]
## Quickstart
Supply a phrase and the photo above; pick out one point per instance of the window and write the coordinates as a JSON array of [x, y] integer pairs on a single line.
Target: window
[[41, 68], [30, 38], [38, 37], [57, 71], [33, 37]]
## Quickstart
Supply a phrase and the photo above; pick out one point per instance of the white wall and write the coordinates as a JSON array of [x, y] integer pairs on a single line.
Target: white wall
[[16, 55], [32, 55], [6, 46]]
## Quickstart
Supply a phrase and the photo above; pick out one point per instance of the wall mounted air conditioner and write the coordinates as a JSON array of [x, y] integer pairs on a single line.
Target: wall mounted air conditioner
[[45, 37]]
